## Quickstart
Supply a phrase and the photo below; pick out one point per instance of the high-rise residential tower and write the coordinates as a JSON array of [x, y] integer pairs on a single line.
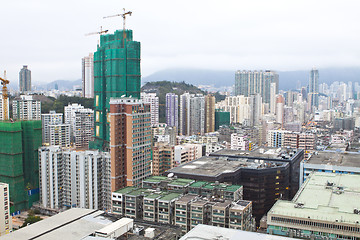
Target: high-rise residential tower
[[252, 82], [26, 108], [130, 142], [314, 87], [172, 114], [4, 102], [25, 79], [209, 113], [153, 100], [88, 76], [116, 74], [5, 218], [192, 114], [47, 119]]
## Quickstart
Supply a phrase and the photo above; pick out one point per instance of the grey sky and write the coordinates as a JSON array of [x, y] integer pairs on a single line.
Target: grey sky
[[273, 34]]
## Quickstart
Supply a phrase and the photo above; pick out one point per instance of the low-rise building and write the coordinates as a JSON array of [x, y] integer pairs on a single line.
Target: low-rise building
[[326, 207], [331, 162]]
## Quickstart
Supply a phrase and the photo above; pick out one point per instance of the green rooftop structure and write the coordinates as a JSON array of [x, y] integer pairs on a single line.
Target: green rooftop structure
[[116, 74], [19, 167]]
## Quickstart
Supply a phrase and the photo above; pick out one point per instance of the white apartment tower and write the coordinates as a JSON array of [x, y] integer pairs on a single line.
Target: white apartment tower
[[74, 178], [84, 128], [47, 119], [26, 108], [59, 135], [88, 76], [69, 114], [192, 114], [2, 104], [5, 218], [153, 100]]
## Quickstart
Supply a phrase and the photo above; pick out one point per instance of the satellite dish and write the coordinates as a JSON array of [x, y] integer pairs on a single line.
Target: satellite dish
[[170, 175], [123, 96]]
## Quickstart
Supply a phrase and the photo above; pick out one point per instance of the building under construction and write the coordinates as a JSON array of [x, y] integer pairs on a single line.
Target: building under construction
[[19, 143], [116, 74]]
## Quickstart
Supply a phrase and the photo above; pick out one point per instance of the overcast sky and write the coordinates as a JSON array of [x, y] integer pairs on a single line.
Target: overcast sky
[[282, 35]]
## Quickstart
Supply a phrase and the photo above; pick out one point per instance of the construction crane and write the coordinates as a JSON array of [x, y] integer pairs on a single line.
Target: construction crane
[[123, 15], [101, 32], [4, 82]]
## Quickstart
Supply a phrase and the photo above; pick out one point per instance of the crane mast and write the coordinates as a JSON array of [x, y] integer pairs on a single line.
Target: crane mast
[[4, 82]]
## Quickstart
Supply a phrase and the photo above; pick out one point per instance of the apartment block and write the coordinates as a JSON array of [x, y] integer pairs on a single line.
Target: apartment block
[[70, 178], [239, 142], [26, 108], [209, 113], [130, 142], [153, 100], [59, 135], [47, 119], [5, 218], [83, 128], [4, 104], [163, 158]]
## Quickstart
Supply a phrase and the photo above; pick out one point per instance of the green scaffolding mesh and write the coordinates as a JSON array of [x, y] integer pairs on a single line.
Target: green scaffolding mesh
[[19, 168], [116, 74]]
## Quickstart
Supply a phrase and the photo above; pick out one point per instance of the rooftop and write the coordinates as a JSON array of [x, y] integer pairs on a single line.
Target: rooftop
[[170, 196], [215, 166], [155, 179], [347, 159], [261, 152], [198, 184], [72, 224], [181, 182], [200, 232], [126, 190], [187, 198], [324, 196]]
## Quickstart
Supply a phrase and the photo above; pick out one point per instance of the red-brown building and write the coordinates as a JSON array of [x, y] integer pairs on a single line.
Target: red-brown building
[[130, 142]]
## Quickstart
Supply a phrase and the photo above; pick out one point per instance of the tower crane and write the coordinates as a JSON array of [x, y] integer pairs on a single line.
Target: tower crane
[[4, 82], [101, 32], [123, 15]]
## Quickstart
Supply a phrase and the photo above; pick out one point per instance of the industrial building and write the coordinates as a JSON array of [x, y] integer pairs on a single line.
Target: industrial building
[[130, 142], [19, 142], [331, 162], [267, 174], [70, 178], [121, 77], [326, 207], [185, 203], [89, 224], [5, 218], [202, 231]]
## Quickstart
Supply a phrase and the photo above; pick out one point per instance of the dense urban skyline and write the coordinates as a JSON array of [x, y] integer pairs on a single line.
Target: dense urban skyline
[[277, 35]]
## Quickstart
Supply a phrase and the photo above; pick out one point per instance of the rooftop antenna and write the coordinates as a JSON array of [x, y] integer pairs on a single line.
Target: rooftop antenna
[[123, 15]]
